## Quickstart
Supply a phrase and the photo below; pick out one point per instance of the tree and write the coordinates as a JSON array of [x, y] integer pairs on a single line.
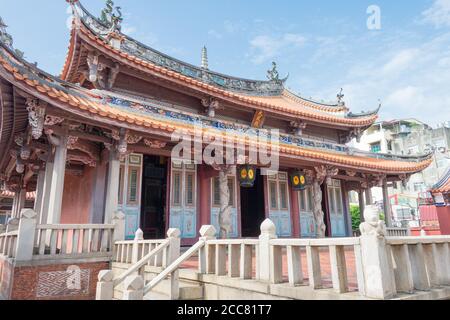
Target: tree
[[356, 217]]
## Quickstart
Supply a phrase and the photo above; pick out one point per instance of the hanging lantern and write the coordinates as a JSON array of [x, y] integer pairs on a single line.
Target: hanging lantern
[[247, 176], [298, 181]]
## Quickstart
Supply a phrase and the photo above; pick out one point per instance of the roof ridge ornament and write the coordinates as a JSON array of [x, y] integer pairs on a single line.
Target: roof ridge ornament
[[110, 18], [205, 65], [274, 76], [7, 39], [340, 96]]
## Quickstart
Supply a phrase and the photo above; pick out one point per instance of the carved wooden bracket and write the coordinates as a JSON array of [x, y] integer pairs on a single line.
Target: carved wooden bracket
[[211, 104], [298, 127], [155, 144], [36, 117]]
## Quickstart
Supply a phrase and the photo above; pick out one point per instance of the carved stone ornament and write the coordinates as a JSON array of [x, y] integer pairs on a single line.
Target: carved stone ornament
[[71, 142], [211, 106], [133, 139], [155, 144], [373, 226], [36, 117], [298, 127]]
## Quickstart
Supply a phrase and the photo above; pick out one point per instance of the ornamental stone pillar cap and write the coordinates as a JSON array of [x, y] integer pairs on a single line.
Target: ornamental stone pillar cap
[[28, 214], [105, 276], [119, 215], [173, 233], [371, 214], [208, 231], [268, 227], [134, 283], [139, 235]]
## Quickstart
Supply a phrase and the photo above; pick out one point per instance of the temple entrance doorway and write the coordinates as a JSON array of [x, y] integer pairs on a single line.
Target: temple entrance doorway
[[252, 208], [154, 184]]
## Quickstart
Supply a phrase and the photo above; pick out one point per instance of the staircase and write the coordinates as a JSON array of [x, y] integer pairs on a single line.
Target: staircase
[[189, 290]]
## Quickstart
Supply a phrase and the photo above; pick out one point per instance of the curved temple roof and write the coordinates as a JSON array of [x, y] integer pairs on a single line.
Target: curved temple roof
[[110, 108], [267, 95], [442, 186]]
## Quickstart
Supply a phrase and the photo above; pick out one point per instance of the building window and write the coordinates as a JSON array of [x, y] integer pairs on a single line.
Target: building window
[[121, 183], [176, 188], [273, 195], [190, 189], [335, 198], [375, 147], [283, 196], [133, 185], [279, 191]]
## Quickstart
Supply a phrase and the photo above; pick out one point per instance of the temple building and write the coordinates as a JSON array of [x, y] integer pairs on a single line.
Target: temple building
[[99, 140]]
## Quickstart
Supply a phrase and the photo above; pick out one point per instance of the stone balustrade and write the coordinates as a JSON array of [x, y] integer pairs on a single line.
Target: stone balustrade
[[8, 242], [53, 241], [398, 232], [33, 242]]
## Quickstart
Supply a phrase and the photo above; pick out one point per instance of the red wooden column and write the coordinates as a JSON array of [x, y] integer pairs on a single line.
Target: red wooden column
[[205, 174], [295, 213]]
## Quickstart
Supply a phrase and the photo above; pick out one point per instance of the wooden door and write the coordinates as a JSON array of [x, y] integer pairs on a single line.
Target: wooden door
[[308, 228], [183, 203], [336, 208], [279, 212]]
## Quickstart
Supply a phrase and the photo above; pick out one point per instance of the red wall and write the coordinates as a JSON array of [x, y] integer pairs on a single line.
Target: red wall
[[444, 219], [77, 197]]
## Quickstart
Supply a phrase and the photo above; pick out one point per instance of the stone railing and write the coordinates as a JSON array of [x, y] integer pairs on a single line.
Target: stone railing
[[56, 241], [133, 251], [296, 275], [8, 243], [33, 242], [398, 232], [379, 267], [238, 253]]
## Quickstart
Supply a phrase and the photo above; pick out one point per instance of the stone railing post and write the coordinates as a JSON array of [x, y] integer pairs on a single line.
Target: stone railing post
[[12, 225], [375, 265], [268, 232], [26, 235], [206, 255], [119, 226], [138, 237], [173, 254], [133, 288], [105, 286], [2, 228]]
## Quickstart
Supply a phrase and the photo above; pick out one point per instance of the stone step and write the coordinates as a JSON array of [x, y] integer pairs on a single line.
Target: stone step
[[188, 291]]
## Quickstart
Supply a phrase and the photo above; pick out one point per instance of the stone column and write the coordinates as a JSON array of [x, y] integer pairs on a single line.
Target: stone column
[[373, 262], [45, 202], [57, 181], [39, 194], [26, 233], [112, 186], [105, 286], [387, 204], [268, 232], [361, 204]]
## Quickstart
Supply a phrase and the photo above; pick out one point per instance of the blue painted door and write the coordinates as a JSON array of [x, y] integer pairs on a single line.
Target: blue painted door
[[130, 186], [279, 206], [308, 227], [183, 200], [336, 207]]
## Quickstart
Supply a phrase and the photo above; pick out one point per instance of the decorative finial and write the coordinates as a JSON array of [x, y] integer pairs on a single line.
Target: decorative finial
[[340, 97], [274, 76], [110, 18], [205, 58], [7, 39]]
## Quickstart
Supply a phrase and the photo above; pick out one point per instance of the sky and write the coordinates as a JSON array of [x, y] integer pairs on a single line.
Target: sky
[[402, 62]]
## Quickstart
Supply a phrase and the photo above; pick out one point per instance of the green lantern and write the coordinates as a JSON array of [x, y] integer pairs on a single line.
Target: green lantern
[[247, 176], [298, 181]]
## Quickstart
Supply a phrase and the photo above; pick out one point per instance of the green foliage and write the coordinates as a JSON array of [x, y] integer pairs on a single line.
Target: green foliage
[[356, 217]]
